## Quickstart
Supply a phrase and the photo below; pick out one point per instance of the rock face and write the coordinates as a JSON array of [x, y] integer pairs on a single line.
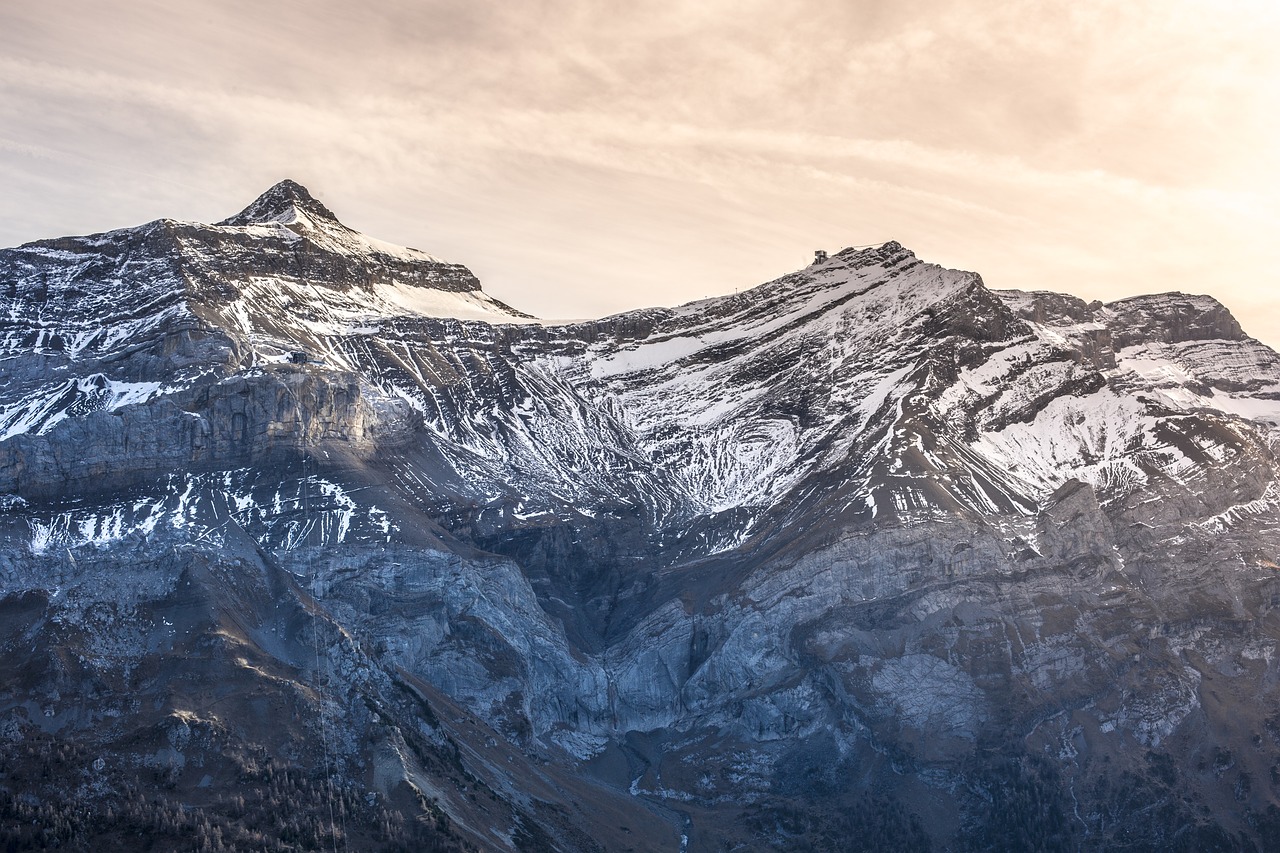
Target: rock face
[[868, 555]]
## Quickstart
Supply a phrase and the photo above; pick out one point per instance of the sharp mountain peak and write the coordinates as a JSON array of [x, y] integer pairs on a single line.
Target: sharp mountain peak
[[287, 202], [764, 566]]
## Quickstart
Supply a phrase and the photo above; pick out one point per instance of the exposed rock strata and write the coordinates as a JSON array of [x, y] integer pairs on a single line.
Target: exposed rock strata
[[870, 551]]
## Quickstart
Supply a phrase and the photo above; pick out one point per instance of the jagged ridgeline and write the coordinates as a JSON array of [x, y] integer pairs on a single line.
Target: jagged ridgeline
[[308, 542]]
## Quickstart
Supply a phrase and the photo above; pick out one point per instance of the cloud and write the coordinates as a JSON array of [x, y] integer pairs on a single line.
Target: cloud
[[675, 149]]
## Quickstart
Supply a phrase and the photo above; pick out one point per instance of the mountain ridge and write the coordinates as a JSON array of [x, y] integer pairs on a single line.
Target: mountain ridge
[[870, 533]]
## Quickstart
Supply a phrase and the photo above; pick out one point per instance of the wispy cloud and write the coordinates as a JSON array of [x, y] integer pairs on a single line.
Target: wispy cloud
[[587, 157]]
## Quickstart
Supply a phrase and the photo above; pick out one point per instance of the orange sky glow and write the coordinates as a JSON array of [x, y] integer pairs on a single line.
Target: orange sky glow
[[584, 158]]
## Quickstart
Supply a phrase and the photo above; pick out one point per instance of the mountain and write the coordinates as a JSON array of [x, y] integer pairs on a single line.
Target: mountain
[[867, 557]]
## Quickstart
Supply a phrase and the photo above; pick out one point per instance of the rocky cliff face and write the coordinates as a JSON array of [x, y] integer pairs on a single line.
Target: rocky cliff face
[[870, 554]]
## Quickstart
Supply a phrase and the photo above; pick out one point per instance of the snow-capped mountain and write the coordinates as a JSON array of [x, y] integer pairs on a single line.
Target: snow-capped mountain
[[868, 528]]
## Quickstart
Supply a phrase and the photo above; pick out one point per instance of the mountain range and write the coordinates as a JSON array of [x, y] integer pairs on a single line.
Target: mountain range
[[309, 542]]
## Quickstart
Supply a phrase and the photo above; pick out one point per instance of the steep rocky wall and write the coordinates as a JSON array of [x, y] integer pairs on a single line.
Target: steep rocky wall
[[255, 419]]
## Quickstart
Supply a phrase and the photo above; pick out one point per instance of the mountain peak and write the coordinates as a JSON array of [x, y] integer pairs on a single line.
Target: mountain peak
[[287, 203]]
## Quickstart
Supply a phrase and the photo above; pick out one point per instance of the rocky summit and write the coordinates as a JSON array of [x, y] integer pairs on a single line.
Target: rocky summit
[[306, 542]]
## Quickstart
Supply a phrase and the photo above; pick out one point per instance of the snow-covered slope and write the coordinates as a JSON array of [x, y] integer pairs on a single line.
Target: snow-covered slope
[[870, 384], [870, 521], [95, 323]]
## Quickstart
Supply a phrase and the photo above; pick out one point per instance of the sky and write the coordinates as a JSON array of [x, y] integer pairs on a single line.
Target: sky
[[584, 158]]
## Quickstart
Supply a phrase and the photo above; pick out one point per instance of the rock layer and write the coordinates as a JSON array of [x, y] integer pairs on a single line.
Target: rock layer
[[868, 552]]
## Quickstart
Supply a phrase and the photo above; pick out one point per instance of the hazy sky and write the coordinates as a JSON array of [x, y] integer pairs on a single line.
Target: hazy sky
[[588, 157]]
